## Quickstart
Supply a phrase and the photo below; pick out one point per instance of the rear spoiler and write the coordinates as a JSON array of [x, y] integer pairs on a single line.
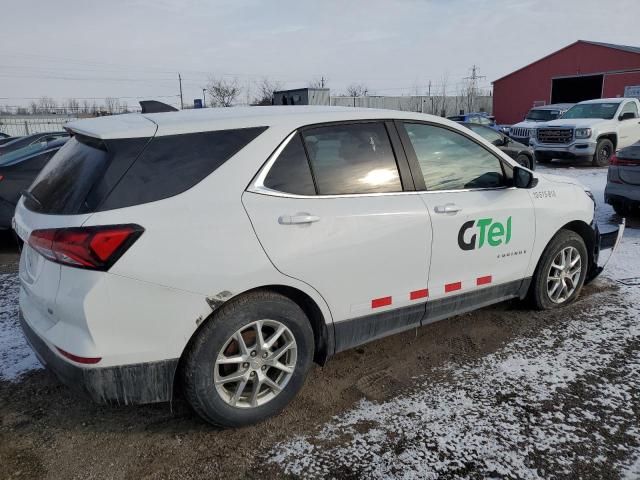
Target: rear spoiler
[[153, 106]]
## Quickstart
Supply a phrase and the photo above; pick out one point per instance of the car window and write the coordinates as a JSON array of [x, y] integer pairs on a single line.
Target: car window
[[291, 172], [484, 121], [352, 158], [630, 107], [450, 161], [487, 133], [11, 157]]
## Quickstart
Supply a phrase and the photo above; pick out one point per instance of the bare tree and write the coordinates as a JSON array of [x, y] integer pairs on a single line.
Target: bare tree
[[112, 105], [266, 88], [33, 107], [47, 105], [439, 101], [72, 106], [357, 90], [222, 92], [317, 83]]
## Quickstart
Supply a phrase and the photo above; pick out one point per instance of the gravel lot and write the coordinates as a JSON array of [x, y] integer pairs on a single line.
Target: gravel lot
[[504, 392]]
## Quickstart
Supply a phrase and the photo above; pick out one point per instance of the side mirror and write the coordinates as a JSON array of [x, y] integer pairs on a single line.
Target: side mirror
[[523, 178], [627, 116], [498, 142]]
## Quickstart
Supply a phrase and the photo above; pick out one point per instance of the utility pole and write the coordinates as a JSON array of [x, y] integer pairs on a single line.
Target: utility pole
[[180, 82], [204, 103], [322, 81]]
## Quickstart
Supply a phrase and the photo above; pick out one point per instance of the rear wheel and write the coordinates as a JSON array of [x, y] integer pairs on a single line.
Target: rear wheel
[[561, 271], [604, 151], [249, 361], [524, 160]]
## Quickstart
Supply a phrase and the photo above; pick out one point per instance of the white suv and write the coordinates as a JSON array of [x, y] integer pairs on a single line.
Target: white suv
[[220, 252]]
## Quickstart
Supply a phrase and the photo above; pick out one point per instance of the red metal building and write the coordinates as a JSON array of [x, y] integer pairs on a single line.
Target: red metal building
[[581, 71]]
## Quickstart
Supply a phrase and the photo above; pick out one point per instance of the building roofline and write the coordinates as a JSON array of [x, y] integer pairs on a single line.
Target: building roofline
[[623, 48]]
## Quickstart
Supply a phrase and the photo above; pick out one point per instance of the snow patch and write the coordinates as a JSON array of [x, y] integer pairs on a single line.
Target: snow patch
[[16, 357]]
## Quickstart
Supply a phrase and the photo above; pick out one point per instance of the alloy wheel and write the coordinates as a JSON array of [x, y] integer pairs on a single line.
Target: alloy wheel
[[564, 274], [255, 364]]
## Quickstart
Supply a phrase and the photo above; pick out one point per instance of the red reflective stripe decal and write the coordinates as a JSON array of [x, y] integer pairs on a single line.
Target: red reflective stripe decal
[[416, 294], [451, 287], [78, 359], [380, 302], [483, 280]]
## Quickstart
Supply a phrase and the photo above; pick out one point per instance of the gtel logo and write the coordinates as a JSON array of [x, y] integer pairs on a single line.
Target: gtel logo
[[495, 233]]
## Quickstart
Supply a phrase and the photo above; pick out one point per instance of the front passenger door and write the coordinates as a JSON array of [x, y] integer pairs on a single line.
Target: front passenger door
[[483, 228]]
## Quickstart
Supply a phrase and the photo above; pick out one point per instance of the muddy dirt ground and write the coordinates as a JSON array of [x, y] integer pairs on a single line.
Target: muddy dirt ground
[[47, 431]]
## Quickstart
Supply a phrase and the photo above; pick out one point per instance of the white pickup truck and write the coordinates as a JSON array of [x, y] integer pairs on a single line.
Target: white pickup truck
[[594, 129]]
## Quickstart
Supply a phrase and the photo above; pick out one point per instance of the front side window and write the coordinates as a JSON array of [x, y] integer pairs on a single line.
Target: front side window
[[352, 158], [450, 161], [291, 173], [630, 107]]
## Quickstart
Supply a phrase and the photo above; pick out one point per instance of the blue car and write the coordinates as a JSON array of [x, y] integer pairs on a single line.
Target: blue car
[[18, 170], [479, 118]]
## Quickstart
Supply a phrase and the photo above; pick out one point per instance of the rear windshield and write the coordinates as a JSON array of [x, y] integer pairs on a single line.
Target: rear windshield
[[542, 115], [89, 175], [11, 157], [65, 181]]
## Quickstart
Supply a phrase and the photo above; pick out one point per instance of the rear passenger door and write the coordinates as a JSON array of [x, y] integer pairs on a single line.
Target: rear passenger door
[[335, 207]]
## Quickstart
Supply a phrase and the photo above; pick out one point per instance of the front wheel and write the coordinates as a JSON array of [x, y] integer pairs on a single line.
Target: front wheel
[[524, 160], [561, 271], [604, 151], [248, 361]]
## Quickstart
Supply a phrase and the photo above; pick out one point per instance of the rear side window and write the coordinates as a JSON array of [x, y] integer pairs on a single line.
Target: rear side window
[[352, 158], [174, 163], [291, 173]]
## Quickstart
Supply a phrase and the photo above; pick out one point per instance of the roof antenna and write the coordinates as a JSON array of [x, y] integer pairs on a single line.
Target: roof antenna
[[154, 106]]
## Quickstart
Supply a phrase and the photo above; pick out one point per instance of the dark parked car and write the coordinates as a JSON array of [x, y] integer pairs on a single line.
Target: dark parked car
[[4, 138], [478, 118], [34, 138], [521, 153], [18, 170], [623, 181]]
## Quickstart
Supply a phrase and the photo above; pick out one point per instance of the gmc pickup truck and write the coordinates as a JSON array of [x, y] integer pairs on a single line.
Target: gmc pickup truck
[[592, 129]]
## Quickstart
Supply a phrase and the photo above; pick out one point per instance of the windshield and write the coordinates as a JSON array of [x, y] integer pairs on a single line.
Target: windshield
[[606, 111], [542, 115], [10, 157]]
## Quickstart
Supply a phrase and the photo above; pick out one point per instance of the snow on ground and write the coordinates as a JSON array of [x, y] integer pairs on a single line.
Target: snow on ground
[[16, 357], [563, 403]]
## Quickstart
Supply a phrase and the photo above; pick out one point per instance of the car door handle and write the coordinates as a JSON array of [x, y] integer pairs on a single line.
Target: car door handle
[[448, 208], [298, 219]]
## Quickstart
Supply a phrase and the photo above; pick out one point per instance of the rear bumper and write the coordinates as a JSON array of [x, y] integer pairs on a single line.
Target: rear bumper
[[121, 385]]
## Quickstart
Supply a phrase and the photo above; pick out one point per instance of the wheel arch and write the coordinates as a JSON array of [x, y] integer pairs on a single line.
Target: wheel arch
[[588, 235], [322, 330], [609, 136]]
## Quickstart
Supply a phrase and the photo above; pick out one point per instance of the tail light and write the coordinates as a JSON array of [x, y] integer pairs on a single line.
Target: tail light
[[95, 248], [624, 162]]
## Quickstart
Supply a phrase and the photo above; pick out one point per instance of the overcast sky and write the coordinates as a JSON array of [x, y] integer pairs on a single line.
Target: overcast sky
[[85, 48]]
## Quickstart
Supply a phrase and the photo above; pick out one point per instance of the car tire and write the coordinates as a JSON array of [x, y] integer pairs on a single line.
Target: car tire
[[566, 245], [604, 152], [215, 354], [524, 160], [542, 158], [620, 208]]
